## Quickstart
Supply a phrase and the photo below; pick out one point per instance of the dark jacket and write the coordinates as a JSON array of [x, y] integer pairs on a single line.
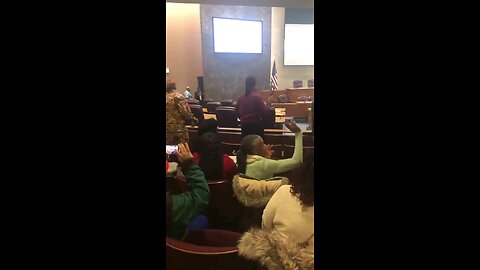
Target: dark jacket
[[183, 208]]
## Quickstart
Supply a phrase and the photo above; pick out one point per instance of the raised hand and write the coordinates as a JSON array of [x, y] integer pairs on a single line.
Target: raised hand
[[292, 126], [183, 152], [269, 151]]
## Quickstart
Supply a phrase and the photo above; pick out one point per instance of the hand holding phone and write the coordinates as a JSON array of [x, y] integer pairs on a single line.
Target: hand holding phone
[[171, 149], [292, 126], [183, 152]]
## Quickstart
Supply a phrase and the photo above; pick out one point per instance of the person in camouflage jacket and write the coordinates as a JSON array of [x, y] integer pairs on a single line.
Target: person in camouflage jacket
[[177, 115]]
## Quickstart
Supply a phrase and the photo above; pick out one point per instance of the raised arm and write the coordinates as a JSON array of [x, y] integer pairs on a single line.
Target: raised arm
[[188, 205], [285, 165]]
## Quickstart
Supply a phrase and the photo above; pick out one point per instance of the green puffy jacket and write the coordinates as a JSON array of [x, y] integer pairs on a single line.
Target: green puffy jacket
[[186, 206]]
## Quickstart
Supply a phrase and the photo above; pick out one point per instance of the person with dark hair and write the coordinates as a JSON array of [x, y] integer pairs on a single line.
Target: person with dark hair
[[211, 159], [254, 156], [250, 109], [207, 125], [290, 210], [182, 208], [177, 115], [286, 238]]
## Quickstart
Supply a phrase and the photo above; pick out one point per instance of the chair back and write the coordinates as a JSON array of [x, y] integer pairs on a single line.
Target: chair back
[[230, 148], [197, 111], [204, 102], [297, 84], [283, 98], [289, 149], [302, 98], [269, 119], [193, 101], [227, 102], [310, 83], [223, 208], [206, 249], [212, 106], [226, 117]]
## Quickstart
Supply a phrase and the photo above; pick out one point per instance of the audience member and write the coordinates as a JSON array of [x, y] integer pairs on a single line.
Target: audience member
[[177, 114], [254, 157], [290, 210], [182, 208], [207, 125], [199, 94], [251, 109], [211, 159], [286, 240], [187, 93]]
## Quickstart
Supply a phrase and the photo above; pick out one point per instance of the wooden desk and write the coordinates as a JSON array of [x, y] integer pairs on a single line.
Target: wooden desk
[[297, 109], [209, 116], [239, 130], [213, 116], [292, 93], [295, 93]]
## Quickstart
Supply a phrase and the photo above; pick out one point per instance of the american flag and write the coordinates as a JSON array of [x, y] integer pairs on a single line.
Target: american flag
[[273, 78]]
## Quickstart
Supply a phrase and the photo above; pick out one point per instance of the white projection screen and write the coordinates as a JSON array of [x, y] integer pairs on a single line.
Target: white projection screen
[[298, 45], [237, 36]]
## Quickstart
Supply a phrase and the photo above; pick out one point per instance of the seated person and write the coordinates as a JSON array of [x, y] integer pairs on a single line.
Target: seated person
[[287, 234], [182, 208], [211, 159], [253, 159], [207, 125], [290, 210]]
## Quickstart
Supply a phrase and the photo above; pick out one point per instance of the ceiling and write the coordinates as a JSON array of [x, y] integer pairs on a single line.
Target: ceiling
[[265, 3]]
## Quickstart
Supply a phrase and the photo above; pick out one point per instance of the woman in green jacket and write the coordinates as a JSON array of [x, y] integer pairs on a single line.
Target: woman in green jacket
[[254, 157], [182, 208]]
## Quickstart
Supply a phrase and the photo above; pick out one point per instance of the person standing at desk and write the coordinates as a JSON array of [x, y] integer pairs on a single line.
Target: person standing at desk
[[250, 109]]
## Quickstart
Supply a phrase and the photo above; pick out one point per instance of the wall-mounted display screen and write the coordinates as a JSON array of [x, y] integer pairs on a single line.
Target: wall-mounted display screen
[[298, 45], [237, 36]]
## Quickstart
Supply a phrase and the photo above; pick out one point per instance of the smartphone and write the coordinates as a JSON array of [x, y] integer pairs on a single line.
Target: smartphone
[[172, 149]]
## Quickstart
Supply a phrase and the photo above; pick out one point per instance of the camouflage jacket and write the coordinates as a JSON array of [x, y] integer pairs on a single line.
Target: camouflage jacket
[[177, 115]]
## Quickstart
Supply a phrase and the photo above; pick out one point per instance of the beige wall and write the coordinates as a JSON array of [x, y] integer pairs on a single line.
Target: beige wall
[[184, 45], [286, 74]]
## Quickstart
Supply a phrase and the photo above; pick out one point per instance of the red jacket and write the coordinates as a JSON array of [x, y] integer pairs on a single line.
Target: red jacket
[[229, 167]]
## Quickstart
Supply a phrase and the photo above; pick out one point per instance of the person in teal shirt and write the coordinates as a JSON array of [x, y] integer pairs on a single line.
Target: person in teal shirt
[[182, 208]]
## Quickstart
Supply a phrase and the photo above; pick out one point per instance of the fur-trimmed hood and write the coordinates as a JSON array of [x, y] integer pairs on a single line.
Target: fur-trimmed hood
[[274, 251], [253, 192]]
